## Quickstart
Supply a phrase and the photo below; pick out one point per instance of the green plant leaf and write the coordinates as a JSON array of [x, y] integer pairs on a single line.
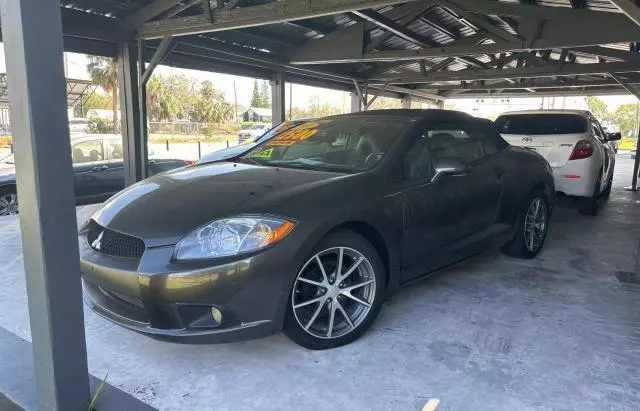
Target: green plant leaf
[[96, 395]]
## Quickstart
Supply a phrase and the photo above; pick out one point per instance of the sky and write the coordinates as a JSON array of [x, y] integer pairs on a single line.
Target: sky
[[75, 66]]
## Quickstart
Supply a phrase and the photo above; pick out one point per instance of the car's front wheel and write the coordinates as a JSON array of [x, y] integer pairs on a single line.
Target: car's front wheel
[[531, 229], [8, 202], [337, 293]]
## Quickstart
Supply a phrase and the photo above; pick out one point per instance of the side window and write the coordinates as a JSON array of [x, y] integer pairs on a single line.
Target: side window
[[488, 135], [113, 149], [596, 129], [87, 151], [452, 141], [417, 162]]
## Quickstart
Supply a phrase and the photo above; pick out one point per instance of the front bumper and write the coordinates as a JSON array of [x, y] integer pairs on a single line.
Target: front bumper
[[172, 301]]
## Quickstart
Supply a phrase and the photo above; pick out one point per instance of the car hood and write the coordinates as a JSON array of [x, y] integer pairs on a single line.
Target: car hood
[[163, 209]]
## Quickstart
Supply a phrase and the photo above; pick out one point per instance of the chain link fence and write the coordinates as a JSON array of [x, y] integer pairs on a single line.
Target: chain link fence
[[191, 129]]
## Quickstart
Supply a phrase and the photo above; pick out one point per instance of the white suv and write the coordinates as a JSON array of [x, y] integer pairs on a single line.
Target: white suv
[[252, 133], [574, 144]]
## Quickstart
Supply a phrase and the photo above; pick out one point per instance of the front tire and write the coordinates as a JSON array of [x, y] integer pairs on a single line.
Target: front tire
[[337, 294], [531, 228]]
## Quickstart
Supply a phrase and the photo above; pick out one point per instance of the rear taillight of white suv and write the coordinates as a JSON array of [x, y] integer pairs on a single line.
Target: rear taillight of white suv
[[583, 149]]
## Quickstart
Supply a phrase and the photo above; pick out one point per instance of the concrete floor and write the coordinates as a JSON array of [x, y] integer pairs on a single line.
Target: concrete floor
[[558, 332]]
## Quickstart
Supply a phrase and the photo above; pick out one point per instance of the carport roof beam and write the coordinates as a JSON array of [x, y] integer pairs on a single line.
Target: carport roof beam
[[270, 13], [631, 10], [147, 13], [521, 72]]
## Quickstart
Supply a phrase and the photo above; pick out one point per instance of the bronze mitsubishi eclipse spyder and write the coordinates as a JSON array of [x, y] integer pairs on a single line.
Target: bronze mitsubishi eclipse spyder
[[309, 231]]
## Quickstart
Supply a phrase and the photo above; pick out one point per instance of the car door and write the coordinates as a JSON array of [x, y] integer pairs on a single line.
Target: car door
[[430, 211], [606, 152], [439, 215], [88, 162], [480, 188]]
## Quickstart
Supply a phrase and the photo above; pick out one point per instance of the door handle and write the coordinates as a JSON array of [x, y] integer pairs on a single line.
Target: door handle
[[100, 168]]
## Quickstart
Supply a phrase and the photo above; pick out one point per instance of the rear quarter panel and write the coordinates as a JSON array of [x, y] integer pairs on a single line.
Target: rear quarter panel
[[523, 173]]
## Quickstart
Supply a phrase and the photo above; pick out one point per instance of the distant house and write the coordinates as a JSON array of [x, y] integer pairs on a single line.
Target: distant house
[[257, 114]]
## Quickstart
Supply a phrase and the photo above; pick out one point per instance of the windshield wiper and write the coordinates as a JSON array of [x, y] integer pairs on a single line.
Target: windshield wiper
[[297, 164]]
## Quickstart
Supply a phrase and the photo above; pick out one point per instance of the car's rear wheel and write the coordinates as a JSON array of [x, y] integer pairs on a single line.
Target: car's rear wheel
[[337, 293], [8, 201], [607, 191], [531, 229], [591, 205]]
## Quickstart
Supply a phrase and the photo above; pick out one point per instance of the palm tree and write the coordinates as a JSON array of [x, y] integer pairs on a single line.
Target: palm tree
[[104, 72]]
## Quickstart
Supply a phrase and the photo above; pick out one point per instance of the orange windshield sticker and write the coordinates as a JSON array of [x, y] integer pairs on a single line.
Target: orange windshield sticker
[[293, 135]]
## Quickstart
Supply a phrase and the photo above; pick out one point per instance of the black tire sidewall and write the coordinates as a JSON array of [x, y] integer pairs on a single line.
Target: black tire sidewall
[[8, 190], [350, 239], [518, 247], [591, 205]]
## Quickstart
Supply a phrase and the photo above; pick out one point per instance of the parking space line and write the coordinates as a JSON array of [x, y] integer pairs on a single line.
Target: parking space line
[[431, 405]]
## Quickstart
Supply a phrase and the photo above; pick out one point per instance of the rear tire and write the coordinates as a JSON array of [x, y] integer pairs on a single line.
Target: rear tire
[[607, 192], [531, 227], [310, 324], [590, 205]]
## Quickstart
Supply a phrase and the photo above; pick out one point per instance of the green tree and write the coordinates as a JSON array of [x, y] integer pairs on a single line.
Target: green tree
[[256, 98], [625, 118], [210, 105], [598, 108], [99, 125], [170, 97], [265, 95], [91, 101], [104, 72]]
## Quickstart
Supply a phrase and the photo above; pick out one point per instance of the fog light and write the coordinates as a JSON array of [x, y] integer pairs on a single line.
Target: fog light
[[217, 315]]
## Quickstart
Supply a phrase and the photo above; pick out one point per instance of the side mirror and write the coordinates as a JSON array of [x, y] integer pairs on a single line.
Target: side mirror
[[449, 166], [613, 136]]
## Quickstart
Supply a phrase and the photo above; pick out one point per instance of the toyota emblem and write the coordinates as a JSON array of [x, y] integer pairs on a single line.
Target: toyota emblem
[[527, 139]]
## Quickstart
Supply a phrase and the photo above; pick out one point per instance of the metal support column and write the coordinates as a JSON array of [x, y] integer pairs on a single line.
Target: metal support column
[[134, 146], [407, 100], [32, 35], [143, 77], [356, 102], [636, 164], [440, 104], [278, 93]]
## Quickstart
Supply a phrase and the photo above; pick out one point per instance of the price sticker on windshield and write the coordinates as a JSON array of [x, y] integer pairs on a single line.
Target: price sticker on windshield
[[264, 154], [295, 134]]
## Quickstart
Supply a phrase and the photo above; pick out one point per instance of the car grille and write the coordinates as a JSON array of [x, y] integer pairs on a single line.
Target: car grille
[[135, 301], [114, 243]]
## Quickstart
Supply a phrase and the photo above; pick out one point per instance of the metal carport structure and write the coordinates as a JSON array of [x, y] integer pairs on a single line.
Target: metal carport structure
[[429, 50]]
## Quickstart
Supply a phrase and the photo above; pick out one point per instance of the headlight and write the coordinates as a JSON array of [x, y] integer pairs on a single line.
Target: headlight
[[231, 236]]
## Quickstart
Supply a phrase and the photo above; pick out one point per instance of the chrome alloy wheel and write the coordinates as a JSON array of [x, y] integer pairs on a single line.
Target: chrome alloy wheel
[[333, 292], [535, 224], [8, 204]]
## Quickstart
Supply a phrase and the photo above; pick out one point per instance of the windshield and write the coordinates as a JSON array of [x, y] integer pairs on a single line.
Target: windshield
[[6, 159], [541, 124], [279, 129], [347, 144], [257, 127]]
